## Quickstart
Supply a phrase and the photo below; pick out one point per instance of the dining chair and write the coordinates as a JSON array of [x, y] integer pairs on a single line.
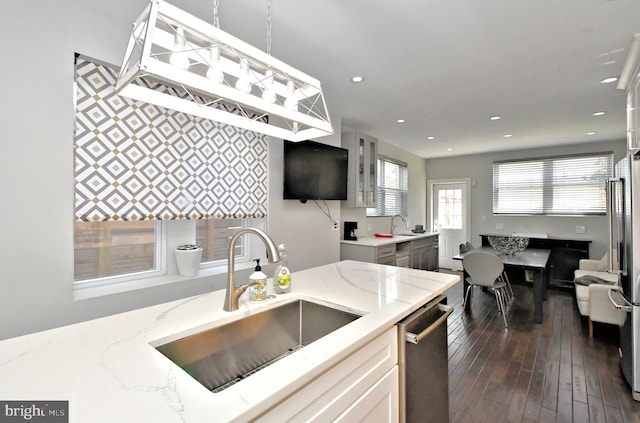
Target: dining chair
[[467, 246], [484, 270]]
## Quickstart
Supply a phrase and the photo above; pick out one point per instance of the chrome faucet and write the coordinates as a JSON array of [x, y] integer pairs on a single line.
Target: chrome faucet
[[392, 225], [233, 293]]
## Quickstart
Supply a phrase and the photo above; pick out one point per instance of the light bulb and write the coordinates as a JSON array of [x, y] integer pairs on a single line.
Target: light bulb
[[268, 94], [243, 83], [214, 72], [179, 58], [291, 102]]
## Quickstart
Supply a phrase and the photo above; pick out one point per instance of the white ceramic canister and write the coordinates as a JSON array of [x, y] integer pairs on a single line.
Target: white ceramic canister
[[188, 259]]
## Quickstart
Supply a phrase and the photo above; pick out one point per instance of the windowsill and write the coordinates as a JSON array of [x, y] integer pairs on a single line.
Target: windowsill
[[87, 292]]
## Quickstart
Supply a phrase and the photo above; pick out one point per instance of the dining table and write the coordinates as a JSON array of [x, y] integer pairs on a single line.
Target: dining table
[[533, 259]]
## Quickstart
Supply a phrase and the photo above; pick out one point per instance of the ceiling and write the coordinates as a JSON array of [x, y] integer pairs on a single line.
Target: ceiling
[[447, 66]]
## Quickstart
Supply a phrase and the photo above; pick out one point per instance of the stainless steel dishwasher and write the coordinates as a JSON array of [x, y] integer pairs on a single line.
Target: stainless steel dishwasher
[[423, 363]]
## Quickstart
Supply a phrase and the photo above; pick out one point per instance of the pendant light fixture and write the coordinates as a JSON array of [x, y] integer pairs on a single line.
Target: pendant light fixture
[[181, 62]]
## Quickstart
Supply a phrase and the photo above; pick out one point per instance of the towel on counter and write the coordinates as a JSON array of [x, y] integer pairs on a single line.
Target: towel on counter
[[591, 279]]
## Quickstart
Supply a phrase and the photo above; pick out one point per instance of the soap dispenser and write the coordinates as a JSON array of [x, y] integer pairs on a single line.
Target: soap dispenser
[[282, 275], [258, 284]]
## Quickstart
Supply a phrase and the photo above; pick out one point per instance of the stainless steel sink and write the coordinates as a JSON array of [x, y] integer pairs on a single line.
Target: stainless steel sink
[[224, 355]]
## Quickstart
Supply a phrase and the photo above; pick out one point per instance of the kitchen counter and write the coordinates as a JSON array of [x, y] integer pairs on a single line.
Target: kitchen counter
[[108, 371], [372, 241]]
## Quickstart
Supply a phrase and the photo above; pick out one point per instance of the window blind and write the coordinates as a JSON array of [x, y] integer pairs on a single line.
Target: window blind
[[566, 185], [136, 161], [392, 189]]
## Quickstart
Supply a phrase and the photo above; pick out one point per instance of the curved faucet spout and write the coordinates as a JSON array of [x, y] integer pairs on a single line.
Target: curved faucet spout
[[273, 255], [392, 225]]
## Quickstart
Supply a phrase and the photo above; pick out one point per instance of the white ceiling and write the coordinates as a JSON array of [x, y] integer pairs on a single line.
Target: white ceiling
[[446, 66]]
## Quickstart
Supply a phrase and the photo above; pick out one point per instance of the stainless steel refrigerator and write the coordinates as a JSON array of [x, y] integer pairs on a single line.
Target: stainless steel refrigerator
[[624, 259]]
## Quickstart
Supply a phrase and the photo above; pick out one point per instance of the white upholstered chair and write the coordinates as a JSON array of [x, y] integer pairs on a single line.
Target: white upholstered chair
[[592, 284]]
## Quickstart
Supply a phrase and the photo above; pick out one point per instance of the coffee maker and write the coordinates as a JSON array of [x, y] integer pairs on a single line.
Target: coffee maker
[[350, 231]]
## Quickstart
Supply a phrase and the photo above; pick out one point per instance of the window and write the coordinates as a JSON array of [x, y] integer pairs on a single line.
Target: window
[[567, 185], [104, 249], [450, 208], [392, 189]]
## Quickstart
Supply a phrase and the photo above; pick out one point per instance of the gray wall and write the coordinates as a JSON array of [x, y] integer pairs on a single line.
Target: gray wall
[[36, 216], [479, 169]]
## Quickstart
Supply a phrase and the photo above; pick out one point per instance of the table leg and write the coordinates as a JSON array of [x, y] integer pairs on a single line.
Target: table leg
[[539, 293]]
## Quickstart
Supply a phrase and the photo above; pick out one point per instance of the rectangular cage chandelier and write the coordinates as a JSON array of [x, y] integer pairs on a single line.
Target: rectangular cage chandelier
[[206, 72]]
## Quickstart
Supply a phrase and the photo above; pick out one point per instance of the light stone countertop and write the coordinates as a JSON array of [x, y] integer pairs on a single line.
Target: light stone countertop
[[372, 241], [109, 372]]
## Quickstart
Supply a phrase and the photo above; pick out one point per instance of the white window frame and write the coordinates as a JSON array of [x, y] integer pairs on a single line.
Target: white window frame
[[535, 175], [168, 233], [404, 207]]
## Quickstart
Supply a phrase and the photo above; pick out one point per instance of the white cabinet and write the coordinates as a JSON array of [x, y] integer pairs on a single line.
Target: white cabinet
[[363, 169], [378, 404], [364, 384]]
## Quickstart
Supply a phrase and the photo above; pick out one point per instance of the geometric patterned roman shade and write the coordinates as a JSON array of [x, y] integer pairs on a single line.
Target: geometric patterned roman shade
[[137, 161]]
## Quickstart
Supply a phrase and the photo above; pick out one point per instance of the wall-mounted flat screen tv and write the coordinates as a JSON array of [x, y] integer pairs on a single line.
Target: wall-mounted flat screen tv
[[314, 171]]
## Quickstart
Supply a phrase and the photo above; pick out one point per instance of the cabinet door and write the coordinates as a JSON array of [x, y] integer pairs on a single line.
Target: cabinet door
[[363, 169], [371, 181], [419, 258], [433, 254], [378, 404], [342, 387]]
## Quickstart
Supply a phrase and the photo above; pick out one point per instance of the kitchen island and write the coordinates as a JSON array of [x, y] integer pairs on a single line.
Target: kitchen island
[[109, 370]]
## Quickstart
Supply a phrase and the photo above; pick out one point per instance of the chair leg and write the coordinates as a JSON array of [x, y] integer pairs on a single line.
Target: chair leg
[[590, 328], [512, 296], [501, 304], [466, 297]]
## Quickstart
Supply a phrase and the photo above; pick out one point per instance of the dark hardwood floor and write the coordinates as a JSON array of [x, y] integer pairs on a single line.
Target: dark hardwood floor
[[550, 372]]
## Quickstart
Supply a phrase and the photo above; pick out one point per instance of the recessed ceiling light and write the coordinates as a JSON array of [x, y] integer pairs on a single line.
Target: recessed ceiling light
[[507, 135], [449, 149], [357, 79], [400, 120], [430, 138], [495, 117], [599, 113], [609, 80], [591, 133]]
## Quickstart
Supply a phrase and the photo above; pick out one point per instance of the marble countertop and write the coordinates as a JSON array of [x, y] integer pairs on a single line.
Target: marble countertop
[[372, 241], [108, 370]]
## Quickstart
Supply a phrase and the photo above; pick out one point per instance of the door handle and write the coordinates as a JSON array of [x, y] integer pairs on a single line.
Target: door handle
[[614, 250], [414, 339], [626, 306]]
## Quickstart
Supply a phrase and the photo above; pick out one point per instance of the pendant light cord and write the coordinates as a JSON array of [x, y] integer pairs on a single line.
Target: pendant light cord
[[216, 17], [269, 27]]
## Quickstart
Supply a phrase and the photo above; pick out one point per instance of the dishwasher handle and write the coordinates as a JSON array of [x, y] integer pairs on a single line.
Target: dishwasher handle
[[416, 338]]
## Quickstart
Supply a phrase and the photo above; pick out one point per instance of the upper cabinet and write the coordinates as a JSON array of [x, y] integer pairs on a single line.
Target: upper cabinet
[[630, 82], [363, 169]]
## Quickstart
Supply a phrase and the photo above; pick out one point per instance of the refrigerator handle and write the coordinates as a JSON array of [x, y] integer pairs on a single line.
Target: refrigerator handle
[[614, 253], [625, 306]]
